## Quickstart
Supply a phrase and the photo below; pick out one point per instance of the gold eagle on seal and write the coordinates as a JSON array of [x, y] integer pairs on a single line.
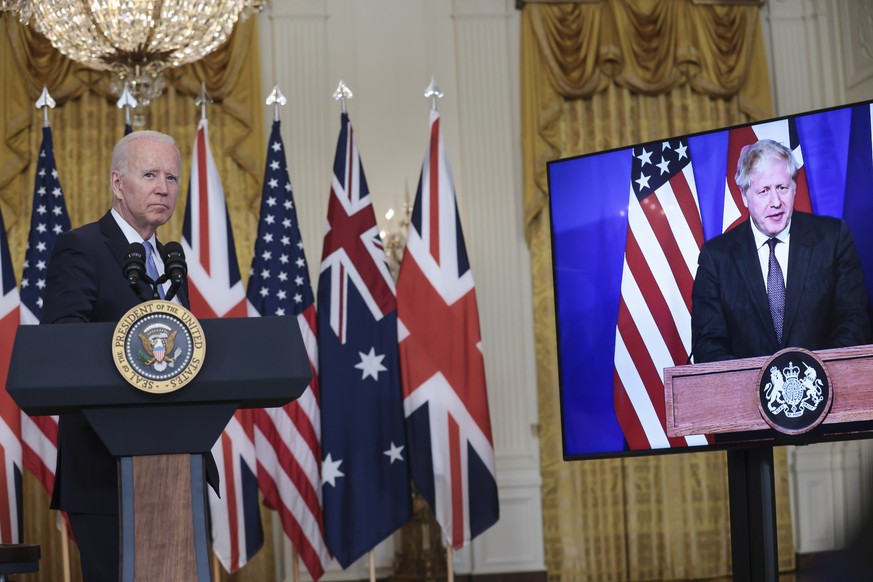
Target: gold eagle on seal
[[158, 348]]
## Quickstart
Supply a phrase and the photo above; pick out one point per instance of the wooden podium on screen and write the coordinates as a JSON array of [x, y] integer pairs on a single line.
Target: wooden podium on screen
[[734, 401]]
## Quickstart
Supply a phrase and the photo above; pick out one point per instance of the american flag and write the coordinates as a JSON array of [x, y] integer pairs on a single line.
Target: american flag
[[444, 397], [10, 415], [216, 290], [785, 132], [364, 472], [288, 439], [664, 237], [49, 219]]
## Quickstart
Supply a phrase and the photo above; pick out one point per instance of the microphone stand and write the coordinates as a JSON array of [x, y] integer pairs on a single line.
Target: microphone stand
[[161, 280], [134, 282]]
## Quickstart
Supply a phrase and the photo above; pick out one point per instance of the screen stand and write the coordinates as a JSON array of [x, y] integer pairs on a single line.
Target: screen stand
[[753, 514]]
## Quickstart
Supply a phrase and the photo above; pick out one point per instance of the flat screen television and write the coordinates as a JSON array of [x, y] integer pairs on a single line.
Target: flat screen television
[[626, 228]]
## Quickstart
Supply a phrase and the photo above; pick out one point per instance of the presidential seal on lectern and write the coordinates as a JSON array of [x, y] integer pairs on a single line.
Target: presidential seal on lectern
[[158, 346]]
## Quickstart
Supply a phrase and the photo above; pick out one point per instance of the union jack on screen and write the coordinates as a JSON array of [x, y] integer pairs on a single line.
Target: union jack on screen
[[664, 237], [444, 395], [365, 471], [785, 132], [288, 439], [11, 521], [216, 290], [48, 220]]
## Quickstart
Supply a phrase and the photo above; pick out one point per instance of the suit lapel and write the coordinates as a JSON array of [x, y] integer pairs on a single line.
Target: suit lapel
[[745, 256], [118, 245], [115, 239], [799, 252]]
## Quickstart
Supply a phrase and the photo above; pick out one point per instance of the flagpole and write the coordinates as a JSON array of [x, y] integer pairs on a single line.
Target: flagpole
[[295, 564], [45, 102], [343, 94], [276, 99], [372, 559], [450, 566], [433, 92], [202, 100], [65, 545], [127, 102]]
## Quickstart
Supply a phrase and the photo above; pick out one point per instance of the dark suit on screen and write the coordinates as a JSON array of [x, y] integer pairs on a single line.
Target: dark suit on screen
[[826, 303]]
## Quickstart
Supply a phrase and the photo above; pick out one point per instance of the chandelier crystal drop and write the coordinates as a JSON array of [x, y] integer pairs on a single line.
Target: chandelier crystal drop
[[135, 39]]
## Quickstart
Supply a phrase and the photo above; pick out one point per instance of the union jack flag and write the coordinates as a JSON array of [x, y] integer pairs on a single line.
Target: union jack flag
[[216, 290], [364, 472], [288, 439], [445, 400], [49, 219], [664, 237], [783, 131], [10, 416]]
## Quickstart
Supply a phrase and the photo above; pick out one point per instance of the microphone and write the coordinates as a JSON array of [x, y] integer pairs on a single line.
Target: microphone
[[134, 268], [175, 267], [134, 264]]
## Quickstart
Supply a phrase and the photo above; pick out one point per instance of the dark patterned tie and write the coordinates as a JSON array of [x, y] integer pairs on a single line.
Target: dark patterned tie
[[152, 269], [776, 289]]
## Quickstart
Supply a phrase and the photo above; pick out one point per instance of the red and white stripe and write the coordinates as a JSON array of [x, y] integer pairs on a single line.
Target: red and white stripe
[[664, 237], [288, 446]]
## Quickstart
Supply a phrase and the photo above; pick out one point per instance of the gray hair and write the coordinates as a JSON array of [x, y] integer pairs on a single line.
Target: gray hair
[[121, 151], [752, 155]]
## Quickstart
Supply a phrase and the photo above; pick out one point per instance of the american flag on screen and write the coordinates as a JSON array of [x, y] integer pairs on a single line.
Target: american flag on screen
[[216, 290], [48, 220], [288, 439], [785, 132], [365, 471], [664, 237], [445, 401], [10, 416]]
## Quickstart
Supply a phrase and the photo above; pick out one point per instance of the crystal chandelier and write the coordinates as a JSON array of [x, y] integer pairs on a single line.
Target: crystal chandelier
[[135, 39]]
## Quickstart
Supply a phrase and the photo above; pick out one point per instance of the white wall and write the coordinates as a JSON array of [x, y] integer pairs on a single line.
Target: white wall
[[386, 51]]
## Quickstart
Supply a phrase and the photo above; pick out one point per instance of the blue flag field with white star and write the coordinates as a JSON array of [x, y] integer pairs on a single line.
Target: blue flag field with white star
[[365, 470]]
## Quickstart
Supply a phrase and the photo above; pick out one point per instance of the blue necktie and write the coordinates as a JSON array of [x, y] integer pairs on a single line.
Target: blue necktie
[[776, 289], [151, 268]]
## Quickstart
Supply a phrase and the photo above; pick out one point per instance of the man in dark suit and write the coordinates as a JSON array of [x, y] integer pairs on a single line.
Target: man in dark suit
[[780, 279], [85, 283]]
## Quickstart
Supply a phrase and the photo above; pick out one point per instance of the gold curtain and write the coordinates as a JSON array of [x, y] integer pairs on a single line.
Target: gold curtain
[[596, 76], [85, 126]]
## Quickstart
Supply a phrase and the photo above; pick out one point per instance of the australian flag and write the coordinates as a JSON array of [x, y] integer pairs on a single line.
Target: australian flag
[[365, 471]]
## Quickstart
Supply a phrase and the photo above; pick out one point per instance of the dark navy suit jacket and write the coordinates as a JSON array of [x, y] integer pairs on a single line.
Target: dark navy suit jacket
[[826, 304], [85, 283]]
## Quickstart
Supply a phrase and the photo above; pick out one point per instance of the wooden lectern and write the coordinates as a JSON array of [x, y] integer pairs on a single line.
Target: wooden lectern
[[160, 439], [721, 399]]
